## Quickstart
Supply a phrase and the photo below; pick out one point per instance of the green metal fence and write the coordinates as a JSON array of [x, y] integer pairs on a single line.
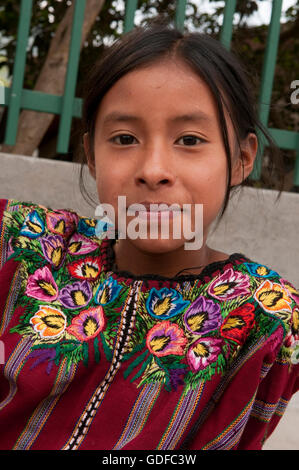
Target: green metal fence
[[69, 106]]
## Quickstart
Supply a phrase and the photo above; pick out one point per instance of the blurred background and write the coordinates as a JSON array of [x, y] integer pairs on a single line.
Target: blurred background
[[47, 53]]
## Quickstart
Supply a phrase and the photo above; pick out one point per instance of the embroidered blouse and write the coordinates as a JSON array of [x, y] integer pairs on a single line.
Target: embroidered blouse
[[95, 358]]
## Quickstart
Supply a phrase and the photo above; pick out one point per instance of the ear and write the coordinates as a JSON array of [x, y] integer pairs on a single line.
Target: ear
[[244, 161], [89, 155]]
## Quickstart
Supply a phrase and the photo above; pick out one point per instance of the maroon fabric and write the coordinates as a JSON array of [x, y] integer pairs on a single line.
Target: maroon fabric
[[235, 404]]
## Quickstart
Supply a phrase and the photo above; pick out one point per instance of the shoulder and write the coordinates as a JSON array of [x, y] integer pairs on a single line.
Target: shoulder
[[276, 302], [27, 227]]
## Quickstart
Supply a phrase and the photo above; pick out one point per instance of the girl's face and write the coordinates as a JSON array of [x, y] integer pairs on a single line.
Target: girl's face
[[158, 139]]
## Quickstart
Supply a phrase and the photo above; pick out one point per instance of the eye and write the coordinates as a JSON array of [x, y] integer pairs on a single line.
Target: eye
[[190, 140], [123, 139]]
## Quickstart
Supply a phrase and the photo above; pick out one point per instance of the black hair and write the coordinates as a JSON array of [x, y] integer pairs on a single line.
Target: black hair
[[221, 69]]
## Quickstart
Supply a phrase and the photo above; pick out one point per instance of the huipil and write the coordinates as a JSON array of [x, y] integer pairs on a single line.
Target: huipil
[[96, 358]]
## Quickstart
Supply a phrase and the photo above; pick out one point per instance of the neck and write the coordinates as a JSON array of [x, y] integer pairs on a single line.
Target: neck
[[130, 258]]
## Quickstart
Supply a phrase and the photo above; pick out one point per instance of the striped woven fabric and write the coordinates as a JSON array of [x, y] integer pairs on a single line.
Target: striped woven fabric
[[97, 358]]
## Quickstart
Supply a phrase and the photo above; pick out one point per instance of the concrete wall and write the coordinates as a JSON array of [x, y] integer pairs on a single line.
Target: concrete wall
[[255, 225]]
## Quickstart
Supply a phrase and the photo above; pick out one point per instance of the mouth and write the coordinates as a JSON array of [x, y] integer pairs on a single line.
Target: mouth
[[154, 207]]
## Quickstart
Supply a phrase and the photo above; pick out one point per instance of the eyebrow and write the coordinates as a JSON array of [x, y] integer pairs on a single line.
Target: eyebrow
[[198, 116]]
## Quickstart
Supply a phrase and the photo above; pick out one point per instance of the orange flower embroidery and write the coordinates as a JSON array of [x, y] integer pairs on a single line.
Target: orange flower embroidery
[[273, 297], [49, 322]]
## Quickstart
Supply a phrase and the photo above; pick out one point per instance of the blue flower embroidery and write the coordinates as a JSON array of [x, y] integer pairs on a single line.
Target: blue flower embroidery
[[260, 270], [165, 303], [87, 227], [33, 226], [107, 291]]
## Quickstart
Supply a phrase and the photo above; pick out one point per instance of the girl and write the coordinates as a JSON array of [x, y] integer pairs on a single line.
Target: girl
[[108, 345]]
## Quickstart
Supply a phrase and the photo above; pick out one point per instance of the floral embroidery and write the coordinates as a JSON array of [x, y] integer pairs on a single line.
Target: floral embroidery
[[295, 322], [88, 324], [260, 270], [273, 298], [33, 225], [166, 338], [107, 292], [238, 323], [80, 245], [202, 316], [88, 268], [49, 322], [228, 285], [76, 295], [53, 248], [294, 293], [165, 303], [203, 352], [87, 227], [41, 285], [180, 336], [61, 222]]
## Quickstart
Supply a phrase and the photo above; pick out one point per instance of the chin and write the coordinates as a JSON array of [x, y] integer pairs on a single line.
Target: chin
[[158, 245]]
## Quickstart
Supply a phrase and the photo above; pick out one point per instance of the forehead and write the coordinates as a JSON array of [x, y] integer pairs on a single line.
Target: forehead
[[166, 89]]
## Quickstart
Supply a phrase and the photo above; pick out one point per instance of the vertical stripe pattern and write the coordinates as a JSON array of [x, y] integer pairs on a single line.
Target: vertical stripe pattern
[[181, 418], [125, 329], [139, 413], [11, 299], [42, 412], [14, 366], [230, 437]]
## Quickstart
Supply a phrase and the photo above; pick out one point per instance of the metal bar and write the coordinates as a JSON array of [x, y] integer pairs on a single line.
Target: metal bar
[[71, 78], [285, 139], [268, 77], [18, 73], [180, 14], [131, 7], [227, 25]]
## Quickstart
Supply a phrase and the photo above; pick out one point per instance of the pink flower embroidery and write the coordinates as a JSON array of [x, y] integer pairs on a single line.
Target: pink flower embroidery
[[166, 338], [41, 285], [203, 352], [80, 245], [88, 324], [229, 285]]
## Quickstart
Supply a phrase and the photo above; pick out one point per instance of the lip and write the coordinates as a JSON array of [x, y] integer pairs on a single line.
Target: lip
[[147, 206]]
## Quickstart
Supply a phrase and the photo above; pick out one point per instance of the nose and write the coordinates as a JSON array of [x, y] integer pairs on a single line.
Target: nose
[[155, 166]]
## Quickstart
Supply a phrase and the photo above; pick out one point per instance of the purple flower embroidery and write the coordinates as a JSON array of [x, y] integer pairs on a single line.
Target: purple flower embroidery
[[229, 285], [80, 245], [53, 248], [202, 316], [41, 285], [62, 222], [76, 295], [203, 352], [43, 355]]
